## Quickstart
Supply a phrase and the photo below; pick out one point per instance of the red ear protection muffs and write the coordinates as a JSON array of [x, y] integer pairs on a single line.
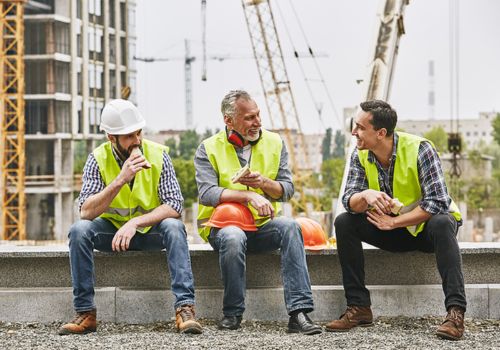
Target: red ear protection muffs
[[237, 140]]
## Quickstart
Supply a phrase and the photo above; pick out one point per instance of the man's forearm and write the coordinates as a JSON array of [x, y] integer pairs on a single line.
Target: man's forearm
[[414, 217], [272, 188], [160, 213], [96, 204], [234, 196]]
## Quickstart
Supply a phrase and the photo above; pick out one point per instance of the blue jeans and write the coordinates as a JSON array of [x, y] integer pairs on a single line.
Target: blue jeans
[[283, 233], [87, 235]]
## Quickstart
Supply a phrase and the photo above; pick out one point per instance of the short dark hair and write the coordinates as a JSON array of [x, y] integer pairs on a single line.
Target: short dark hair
[[384, 116]]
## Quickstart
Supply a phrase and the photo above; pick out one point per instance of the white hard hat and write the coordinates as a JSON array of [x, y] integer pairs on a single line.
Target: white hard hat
[[121, 117]]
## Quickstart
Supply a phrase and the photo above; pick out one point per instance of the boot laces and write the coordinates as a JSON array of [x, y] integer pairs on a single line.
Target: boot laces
[[80, 317], [186, 312]]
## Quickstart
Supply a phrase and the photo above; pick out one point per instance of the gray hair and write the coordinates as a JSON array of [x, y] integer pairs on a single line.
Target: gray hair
[[228, 104]]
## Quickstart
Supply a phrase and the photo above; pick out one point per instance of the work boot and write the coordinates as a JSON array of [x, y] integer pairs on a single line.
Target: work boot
[[452, 327], [185, 321], [300, 322], [83, 323], [352, 317]]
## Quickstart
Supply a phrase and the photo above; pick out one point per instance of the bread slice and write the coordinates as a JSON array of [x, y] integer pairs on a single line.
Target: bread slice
[[240, 173], [137, 151], [396, 206]]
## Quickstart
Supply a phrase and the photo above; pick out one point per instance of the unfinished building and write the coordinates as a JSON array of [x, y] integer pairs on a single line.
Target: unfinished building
[[78, 55]]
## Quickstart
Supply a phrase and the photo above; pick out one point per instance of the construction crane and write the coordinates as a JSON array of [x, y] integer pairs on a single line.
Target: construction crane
[[188, 59], [12, 121], [389, 29], [275, 84]]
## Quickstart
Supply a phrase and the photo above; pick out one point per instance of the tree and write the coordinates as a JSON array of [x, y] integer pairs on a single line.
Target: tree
[[172, 145], [332, 171], [326, 145], [188, 143], [339, 151], [439, 137], [496, 128], [185, 172]]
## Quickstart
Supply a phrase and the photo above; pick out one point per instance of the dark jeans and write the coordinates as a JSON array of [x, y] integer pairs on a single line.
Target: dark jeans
[[438, 236]]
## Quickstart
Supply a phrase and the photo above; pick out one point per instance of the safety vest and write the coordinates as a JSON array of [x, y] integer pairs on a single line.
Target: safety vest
[[143, 197], [265, 159], [405, 183]]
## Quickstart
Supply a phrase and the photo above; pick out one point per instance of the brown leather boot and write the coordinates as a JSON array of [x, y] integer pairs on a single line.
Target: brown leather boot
[[185, 321], [352, 317], [82, 323], [453, 326]]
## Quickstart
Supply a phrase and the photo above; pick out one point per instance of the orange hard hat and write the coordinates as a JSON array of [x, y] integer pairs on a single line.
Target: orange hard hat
[[313, 234], [235, 214]]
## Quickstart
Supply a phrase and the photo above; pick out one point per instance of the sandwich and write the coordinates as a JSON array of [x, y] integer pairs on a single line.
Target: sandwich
[[240, 173], [137, 150]]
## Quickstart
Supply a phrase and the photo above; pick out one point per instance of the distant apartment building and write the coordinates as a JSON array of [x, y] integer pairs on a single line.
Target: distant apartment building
[[473, 131], [78, 55], [309, 156]]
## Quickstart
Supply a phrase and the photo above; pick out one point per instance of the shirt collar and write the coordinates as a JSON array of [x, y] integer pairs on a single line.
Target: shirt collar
[[371, 156]]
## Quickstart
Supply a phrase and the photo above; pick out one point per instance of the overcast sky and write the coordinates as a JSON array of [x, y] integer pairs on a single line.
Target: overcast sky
[[344, 30]]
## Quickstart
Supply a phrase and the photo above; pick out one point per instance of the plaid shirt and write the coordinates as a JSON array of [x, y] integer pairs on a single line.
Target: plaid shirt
[[169, 191], [435, 198]]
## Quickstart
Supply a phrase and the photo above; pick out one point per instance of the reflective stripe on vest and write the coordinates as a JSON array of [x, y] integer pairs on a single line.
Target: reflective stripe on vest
[[143, 198], [405, 182], [265, 159]]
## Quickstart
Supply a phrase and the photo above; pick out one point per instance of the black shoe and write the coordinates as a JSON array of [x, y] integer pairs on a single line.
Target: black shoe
[[230, 322], [301, 323]]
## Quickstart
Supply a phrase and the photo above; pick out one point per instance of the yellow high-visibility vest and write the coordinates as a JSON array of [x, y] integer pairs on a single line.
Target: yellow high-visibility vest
[[265, 159], [143, 197], [405, 183]]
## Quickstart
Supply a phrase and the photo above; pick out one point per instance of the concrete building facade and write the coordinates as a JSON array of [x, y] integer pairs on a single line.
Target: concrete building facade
[[78, 55]]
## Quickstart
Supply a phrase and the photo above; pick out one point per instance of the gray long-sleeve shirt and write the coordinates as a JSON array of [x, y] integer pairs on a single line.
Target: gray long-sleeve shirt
[[209, 191]]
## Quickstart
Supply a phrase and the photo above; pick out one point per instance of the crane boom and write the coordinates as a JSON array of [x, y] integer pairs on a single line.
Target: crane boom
[[389, 30]]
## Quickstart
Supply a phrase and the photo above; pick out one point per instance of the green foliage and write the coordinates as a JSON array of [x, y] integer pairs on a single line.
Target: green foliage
[[326, 145], [188, 143], [172, 145], [80, 157], [332, 171], [439, 137], [185, 172], [339, 151], [496, 128]]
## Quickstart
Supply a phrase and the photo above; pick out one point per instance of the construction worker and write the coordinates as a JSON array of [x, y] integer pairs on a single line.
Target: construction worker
[[217, 159], [130, 200], [396, 199]]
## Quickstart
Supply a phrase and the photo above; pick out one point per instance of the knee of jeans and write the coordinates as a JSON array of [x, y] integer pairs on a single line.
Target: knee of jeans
[[232, 238], [443, 224], [342, 222], [174, 227], [289, 228], [80, 230]]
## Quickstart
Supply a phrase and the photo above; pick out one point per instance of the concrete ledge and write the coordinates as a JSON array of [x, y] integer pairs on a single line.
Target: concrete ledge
[[134, 286], [145, 306], [28, 267]]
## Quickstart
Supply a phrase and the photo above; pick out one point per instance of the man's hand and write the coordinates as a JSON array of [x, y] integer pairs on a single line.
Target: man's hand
[[123, 236], [381, 221], [132, 166], [254, 180], [379, 201], [263, 206]]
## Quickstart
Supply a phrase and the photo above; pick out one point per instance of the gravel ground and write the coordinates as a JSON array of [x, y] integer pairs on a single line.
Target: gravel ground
[[388, 333]]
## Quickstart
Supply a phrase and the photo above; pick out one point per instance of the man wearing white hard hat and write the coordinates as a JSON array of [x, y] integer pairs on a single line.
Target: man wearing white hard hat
[[130, 200]]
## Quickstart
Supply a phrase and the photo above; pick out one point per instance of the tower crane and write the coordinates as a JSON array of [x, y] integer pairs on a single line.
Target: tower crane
[[275, 83], [12, 120]]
